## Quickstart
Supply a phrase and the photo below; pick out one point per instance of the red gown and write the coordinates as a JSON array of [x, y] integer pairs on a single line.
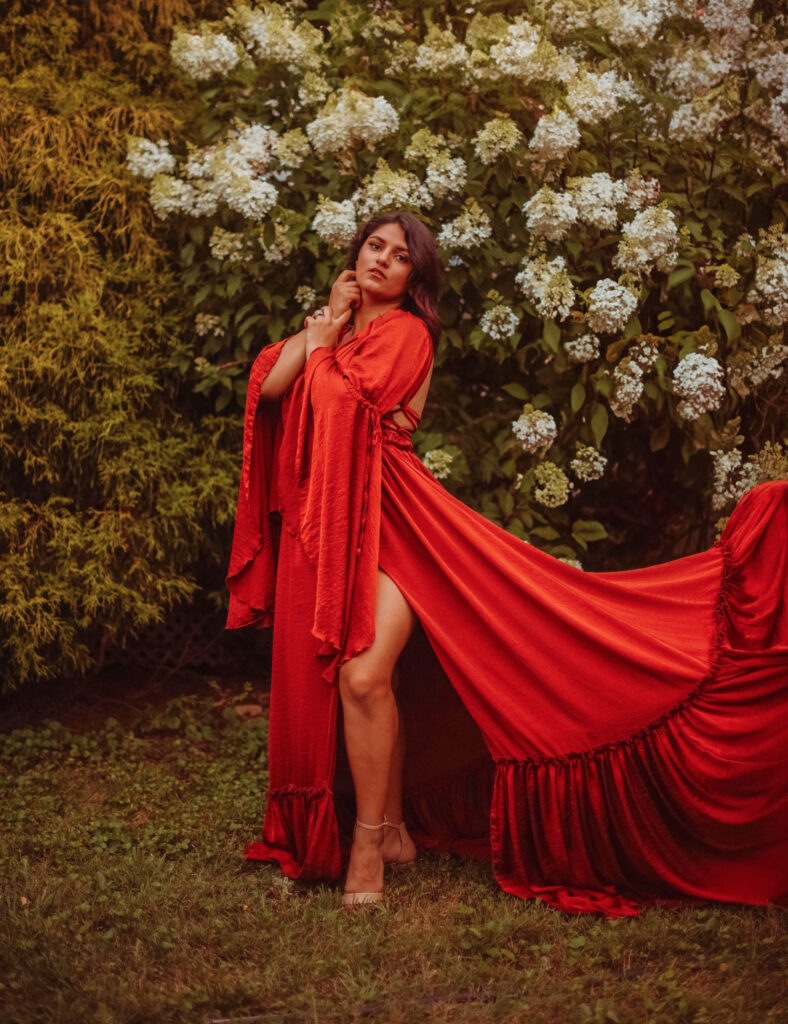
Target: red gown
[[605, 738]]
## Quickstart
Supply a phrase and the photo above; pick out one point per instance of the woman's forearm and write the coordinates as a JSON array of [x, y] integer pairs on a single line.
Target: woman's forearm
[[286, 368]]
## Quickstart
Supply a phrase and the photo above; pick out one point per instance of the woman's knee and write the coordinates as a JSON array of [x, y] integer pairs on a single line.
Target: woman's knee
[[363, 683]]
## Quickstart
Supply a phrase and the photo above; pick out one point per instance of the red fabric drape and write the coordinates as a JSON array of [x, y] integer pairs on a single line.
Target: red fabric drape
[[606, 738]]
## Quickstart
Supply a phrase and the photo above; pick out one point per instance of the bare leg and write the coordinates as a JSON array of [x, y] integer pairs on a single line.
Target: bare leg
[[371, 725], [395, 845]]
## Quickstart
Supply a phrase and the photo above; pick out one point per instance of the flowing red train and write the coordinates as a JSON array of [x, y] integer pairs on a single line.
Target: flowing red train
[[606, 739]]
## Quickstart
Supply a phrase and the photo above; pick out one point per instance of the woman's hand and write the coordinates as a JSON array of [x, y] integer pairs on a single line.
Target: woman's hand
[[345, 293], [322, 329]]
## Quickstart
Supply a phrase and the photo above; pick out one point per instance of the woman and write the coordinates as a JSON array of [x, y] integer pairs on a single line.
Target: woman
[[602, 737]]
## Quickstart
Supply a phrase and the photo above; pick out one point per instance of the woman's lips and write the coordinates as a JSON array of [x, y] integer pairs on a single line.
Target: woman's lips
[[374, 270]]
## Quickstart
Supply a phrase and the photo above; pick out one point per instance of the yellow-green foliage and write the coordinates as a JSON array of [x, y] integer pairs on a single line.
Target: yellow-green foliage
[[114, 494]]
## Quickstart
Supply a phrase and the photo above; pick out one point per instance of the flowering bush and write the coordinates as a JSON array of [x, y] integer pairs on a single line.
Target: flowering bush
[[607, 183]]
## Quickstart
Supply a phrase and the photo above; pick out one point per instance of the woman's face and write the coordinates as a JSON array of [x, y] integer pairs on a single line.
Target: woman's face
[[383, 265]]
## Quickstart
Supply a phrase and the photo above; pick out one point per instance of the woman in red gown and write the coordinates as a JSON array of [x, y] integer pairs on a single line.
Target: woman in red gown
[[604, 738]]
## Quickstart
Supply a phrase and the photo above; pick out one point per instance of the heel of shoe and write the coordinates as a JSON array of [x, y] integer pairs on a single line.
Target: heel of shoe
[[351, 900], [398, 864]]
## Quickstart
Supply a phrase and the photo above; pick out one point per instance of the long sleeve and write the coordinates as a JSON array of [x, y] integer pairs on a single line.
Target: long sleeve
[[252, 570]]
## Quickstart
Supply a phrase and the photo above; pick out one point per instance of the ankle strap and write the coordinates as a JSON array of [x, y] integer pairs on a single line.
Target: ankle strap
[[391, 823], [374, 827]]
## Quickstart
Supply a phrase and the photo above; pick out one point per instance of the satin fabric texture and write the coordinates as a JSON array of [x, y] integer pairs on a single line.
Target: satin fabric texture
[[605, 739]]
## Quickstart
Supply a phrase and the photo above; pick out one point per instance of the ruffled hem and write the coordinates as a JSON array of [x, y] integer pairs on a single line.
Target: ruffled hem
[[300, 833], [689, 808]]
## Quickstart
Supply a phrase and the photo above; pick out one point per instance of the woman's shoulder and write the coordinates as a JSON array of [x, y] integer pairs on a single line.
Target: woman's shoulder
[[411, 326]]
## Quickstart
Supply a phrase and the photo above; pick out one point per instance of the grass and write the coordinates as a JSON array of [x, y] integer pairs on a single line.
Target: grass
[[125, 898]]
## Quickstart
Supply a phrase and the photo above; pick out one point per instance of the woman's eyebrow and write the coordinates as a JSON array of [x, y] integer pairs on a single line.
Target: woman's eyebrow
[[401, 248]]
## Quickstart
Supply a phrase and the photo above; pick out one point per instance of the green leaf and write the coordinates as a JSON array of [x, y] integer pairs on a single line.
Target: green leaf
[[633, 327], [659, 437], [516, 391], [730, 324], [680, 275], [588, 530], [599, 421], [578, 396], [551, 335], [201, 295], [709, 301], [545, 532]]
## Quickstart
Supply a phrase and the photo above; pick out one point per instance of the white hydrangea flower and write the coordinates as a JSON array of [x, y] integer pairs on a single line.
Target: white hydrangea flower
[[499, 135], [438, 462], [588, 463], [467, 230], [728, 18], [208, 324], [516, 53], [596, 198], [546, 283], [699, 382], [610, 305], [641, 192], [251, 197], [170, 195], [693, 69], [732, 479], [554, 136], [292, 148], [536, 430], [565, 17], [441, 51], [527, 54], [388, 188], [314, 88], [271, 34], [306, 297], [280, 248], [649, 240], [574, 562], [633, 23], [627, 388], [699, 119], [425, 145], [550, 214], [553, 484], [725, 276], [202, 56], [595, 97], [769, 290], [768, 58], [446, 175], [145, 158], [230, 172], [227, 245], [751, 367], [582, 349], [253, 144], [499, 323], [335, 222], [644, 352], [350, 116]]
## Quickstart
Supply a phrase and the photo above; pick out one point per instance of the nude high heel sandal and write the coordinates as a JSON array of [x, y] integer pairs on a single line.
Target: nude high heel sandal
[[358, 899], [399, 862]]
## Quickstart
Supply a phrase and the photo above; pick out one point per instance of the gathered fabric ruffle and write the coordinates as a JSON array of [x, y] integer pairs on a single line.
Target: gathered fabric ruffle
[[300, 832]]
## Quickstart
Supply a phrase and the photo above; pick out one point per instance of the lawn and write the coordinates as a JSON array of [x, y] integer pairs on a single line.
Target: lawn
[[125, 898]]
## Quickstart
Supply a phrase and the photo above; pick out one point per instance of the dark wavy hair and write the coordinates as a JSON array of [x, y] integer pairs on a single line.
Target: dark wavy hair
[[421, 298]]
